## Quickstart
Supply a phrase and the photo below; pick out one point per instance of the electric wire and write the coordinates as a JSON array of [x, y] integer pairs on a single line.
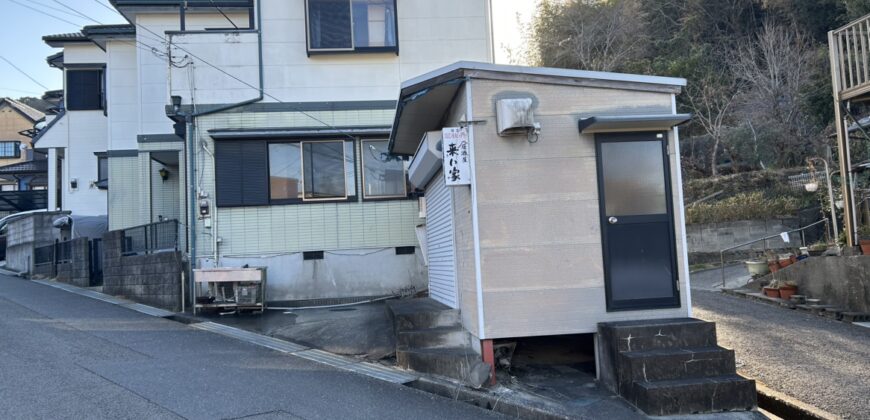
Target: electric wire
[[23, 72], [45, 13]]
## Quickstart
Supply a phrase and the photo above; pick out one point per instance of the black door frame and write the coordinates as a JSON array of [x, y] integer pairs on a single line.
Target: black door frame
[[638, 304]]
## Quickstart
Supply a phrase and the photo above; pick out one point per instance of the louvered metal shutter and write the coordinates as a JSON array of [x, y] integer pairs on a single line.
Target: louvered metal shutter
[[440, 245], [241, 173]]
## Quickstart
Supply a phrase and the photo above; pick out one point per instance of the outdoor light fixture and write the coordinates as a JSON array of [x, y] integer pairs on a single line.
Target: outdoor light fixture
[[176, 103], [164, 174]]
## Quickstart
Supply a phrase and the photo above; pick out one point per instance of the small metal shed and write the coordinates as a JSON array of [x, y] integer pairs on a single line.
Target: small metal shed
[[573, 212]]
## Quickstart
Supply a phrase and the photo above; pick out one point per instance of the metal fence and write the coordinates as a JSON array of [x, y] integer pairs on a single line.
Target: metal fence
[[43, 255], [151, 238]]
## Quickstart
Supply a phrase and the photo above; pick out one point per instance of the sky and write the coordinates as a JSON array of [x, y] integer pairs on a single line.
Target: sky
[[23, 23]]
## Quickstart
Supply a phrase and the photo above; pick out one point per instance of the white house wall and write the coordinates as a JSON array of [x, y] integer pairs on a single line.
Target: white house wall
[[86, 135], [85, 53], [431, 35], [122, 84]]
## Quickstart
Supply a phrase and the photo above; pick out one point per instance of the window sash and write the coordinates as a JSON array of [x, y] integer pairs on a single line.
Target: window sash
[[360, 25], [305, 171], [102, 169], [369, 156], [10, 149]]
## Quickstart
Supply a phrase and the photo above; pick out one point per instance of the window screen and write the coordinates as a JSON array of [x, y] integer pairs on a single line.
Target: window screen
[[84, 90]]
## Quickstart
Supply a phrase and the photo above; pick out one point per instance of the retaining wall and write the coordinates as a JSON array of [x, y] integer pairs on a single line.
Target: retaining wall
[[838, 281], [77, 271], [706, 240]]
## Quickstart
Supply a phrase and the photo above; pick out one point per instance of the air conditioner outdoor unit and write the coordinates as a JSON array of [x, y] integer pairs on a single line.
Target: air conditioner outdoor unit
[[427, 160]]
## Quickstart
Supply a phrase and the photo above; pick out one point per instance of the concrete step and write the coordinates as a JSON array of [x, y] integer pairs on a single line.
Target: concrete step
[[657, 334], [416, 314], [694, 396], [669, 364], [439, 337], [459, 363]]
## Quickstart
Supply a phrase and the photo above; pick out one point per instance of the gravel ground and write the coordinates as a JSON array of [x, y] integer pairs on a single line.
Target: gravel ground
[[818, 361]]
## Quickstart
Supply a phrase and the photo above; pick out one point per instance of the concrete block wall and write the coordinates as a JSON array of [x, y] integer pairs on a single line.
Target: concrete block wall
[[153, 279], [77, 272], [25, 234]]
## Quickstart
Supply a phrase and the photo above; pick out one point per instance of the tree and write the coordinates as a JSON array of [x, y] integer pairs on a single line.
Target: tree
[[589, 35], [777, 70], [711, 100]]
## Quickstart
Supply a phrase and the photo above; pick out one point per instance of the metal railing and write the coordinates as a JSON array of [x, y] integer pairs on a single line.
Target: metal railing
[[43, 255], [802, 230], [150, 239], [850, 49]]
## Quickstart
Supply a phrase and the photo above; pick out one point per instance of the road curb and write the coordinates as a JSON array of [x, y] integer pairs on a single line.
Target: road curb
[[482, 399], [787, 407]]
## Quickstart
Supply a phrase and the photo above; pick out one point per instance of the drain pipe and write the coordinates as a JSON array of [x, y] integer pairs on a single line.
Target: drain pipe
[[190, 124]]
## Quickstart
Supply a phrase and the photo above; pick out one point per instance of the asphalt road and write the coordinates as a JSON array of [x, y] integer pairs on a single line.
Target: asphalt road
[[68, 356], [818, 361]]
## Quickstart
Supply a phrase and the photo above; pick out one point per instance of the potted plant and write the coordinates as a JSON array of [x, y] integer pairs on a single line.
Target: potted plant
[[772, 289], [786, 260], [787, 289], [864, 239], [757, 267], [772, 261]]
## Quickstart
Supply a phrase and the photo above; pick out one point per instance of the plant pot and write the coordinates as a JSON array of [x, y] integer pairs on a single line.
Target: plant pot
[[771, 292], [773, 266], [757, 268], [785, 263], [786, 292], [865, 246], [793, 258]]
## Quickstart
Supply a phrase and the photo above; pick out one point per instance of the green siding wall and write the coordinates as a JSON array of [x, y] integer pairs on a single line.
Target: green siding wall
[[301, 227]]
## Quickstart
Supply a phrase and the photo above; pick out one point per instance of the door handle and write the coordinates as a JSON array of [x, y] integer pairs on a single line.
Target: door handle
[[612, 220]]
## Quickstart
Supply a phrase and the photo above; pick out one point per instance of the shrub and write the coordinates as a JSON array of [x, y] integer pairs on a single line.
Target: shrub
[[743, 206]]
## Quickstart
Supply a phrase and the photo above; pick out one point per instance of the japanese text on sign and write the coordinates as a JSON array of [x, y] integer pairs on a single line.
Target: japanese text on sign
[[457, 166]]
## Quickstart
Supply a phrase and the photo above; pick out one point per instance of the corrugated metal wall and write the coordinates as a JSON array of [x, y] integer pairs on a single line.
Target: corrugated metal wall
[[439, 238]]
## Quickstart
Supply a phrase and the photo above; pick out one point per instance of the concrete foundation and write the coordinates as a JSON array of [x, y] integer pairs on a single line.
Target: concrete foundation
[[339, 274]]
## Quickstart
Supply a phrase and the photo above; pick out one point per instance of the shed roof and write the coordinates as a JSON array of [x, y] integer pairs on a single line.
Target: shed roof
[[424, 100], [29, 112], [39, 166]]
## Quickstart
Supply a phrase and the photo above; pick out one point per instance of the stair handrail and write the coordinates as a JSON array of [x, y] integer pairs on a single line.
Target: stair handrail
[[824, 220]]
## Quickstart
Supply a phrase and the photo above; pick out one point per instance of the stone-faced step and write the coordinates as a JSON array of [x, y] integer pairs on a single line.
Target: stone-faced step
[[658, 334], [459, 363], [855, 316], [438, 337], [668, 364], [694, 396]]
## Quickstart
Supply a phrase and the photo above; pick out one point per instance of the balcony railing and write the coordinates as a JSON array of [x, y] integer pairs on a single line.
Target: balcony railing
[[850, 57]]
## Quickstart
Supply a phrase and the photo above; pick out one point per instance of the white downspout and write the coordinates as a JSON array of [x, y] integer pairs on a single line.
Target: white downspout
[[475, 225], [684, 267]]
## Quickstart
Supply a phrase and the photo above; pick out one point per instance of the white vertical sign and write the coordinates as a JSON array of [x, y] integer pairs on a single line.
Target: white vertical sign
[[457, 167]]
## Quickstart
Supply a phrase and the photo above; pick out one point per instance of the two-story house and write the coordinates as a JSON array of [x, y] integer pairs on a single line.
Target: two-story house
[[262, 127]]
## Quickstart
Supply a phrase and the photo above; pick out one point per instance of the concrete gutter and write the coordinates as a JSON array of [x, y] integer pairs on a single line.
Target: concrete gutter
[[787, 407]]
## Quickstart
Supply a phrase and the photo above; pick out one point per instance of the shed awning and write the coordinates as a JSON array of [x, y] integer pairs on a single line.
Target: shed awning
[[631, 122]]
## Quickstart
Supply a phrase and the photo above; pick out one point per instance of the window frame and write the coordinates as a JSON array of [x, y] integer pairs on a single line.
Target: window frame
[[86, 68], [16, 146], [365, 197], [354, 49], [347, 197]]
